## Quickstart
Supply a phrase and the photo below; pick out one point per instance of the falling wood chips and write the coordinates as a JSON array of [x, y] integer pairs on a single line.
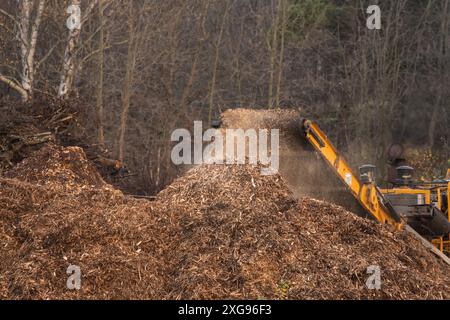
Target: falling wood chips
[[217, 232]]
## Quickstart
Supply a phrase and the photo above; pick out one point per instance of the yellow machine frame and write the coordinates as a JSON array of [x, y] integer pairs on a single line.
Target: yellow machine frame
[[441, 243], [426, 193], [367, 194]]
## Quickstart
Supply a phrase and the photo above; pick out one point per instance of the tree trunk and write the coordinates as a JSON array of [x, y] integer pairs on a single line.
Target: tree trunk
[[24, 32], [216, 61], [69, 58], [28, 39], [128, 81], [283, 4], [99, 96], [69, 68], [272, 54], [443, 49]]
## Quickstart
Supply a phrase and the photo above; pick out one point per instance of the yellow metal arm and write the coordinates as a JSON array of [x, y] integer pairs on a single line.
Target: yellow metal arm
[[368, 194]]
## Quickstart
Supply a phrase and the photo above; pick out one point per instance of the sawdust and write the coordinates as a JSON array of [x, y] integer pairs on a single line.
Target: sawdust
[[304, 172]]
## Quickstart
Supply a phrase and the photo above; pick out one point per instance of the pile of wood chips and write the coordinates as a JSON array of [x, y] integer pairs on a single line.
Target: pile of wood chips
[[217, 232], [54, 212], [304, 171]]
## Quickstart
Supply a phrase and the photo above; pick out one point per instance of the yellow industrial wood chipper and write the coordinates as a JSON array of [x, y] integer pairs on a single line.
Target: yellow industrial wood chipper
[[419, 207]]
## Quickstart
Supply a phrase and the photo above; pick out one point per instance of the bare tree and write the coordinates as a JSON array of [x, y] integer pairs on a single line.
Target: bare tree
[[216, 59], [273, 47], [130, 64], [441, 71], [284, 12], [69, 63], [27, 37], [101, 62]]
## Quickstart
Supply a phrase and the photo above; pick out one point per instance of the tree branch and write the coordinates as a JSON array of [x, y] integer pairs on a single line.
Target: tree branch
[[14, 85], [9, 16]]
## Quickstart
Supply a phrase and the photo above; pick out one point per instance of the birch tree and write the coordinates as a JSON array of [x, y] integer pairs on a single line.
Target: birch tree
[[74, 23], [28, 31]]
